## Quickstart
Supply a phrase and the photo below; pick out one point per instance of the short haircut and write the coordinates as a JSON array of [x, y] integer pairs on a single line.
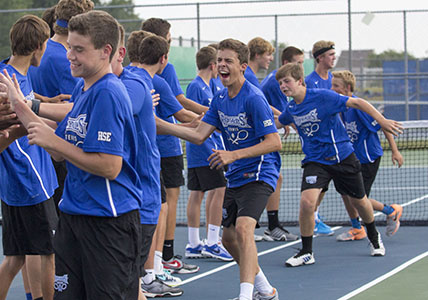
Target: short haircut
[[68, 8], [205, 57], [347, 77], [294, 70], [239, 47], [121, 35], [99, 26], [49, 17], [151, 49], [133, 43], [214, 45], [157, 26], [320, 46], [290, 52], [28, 34], [259, 46]]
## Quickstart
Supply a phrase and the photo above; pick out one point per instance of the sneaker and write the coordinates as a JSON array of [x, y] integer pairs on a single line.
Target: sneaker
[[352, 234], [376, 246], [258, 238], [393, 219], [168, 279], [159, 289], [300, 259], [217, 251], [279, 234], [176, 265], [322, 229], [193, 252], [258, 296]]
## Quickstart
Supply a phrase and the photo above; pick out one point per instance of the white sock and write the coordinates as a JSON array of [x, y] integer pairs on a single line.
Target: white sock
[[262, 284], [317, 215], [158, 266], [149, 277], [213, 234], [193, 236], [246, 291]]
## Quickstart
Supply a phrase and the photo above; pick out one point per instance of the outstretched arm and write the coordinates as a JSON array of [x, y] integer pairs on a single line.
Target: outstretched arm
[[395, 154]]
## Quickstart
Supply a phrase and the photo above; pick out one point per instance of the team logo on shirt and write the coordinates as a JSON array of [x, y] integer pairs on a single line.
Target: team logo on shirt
[[240, 120], [352, 130], [236, 135], [309, 123], [77, 125], [61, 282]]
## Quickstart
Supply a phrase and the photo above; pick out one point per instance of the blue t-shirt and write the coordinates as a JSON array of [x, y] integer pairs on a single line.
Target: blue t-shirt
[[314, 81], [101, 121], [244, 121], [53, 76], [148, 166], [27, 175], [168, 145], [171, 78], [362, 130], [216, 85], [273, 94], [322, 132], [251, 77], [197, 155]]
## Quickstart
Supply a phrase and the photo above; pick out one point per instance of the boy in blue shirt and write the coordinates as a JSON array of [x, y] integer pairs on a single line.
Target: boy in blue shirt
[[99, 223], [27, 177], [200, 177], [362, 130], [242, 114], [328, 154], [261, 55]]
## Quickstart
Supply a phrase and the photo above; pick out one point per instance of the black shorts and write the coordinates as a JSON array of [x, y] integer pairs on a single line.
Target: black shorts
[[172, 171], [163, 191], [97, 257], [248, 200], [61, 173], [146, 234], [29, 230], [369, 172], [205, 179], [346, 176]]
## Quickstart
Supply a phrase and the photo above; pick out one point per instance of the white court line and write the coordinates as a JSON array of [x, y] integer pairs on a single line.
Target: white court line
[[383, 277], [231, 264]]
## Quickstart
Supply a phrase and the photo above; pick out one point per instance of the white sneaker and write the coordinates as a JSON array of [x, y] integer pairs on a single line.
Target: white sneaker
[[168, 279], [376, 247], [300, 259], [258, 238]]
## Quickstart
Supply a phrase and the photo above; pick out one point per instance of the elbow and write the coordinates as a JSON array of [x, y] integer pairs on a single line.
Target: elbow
[[112, 175], [198, 140], [112, 171]]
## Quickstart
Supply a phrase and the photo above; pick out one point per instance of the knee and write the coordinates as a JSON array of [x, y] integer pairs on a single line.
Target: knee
[[244, 233], [307, 206], [14, 263]]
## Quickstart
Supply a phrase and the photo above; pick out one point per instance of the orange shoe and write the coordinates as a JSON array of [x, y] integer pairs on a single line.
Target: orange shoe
[[393, 220], [352, 235]]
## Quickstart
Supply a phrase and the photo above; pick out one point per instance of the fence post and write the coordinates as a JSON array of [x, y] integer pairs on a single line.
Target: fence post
[[349, 36], [277, 64], [406, 67], [198, 25]]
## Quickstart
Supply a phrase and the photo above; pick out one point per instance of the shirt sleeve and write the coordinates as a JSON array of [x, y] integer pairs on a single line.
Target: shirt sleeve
[[333, 102], [285, 118], [168, 104], [370, 123], [263, 120], [171, 78]]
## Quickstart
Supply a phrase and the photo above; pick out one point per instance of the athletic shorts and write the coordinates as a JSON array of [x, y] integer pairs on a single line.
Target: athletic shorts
[[346, 176], [147, 232], [61, 173], [172, 171], [163, 191], [248, 200], [97, 257], [205, 179], [369, 172], [29, 230]]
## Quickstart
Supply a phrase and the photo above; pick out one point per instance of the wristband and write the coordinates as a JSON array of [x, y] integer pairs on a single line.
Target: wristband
[[35, 106]]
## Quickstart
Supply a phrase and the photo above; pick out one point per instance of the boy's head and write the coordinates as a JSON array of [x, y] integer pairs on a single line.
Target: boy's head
[[158, 26], [232, 60], [206, 58], [292, 55], [238, 47], [49, 17], [290, 78], [152, 50], [28, 36], [133, 43], [119, 56], [324, 53], [343, 82], [101, 28], [65, 9], [261, 52]]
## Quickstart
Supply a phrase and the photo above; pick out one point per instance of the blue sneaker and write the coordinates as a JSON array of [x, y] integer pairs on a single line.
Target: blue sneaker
[[193, 252], [216, 251], [322, 229]]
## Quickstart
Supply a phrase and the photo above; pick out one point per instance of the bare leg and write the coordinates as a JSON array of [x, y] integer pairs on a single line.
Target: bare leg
[[33, 264], [8, 270], [172, 195], [307, 208], [48, 277]]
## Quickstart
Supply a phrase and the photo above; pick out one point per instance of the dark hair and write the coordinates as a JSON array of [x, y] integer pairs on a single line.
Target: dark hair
[[289, 52], [157, 26], [49, 17], [133, 44], [65, 9], [239, 47], [151, 49], [101, 27], [205, 57], [28, 34]]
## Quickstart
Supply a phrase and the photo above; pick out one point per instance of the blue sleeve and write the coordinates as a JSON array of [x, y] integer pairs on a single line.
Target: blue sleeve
[[285, 118], [333, 102], [171, 78], [368, 121], [193, 92], [168, 104], [211, 116], [137, 93], [262, 115], [106, 134]]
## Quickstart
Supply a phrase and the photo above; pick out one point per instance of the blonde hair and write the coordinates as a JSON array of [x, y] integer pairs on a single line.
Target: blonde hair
[[347, 77], [259, 46]]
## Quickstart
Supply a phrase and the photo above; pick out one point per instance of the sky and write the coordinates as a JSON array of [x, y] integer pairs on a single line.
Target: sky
[[386, 30]]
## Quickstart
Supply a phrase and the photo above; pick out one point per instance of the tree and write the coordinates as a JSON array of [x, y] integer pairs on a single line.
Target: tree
[[121, 14], [375, 60]]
